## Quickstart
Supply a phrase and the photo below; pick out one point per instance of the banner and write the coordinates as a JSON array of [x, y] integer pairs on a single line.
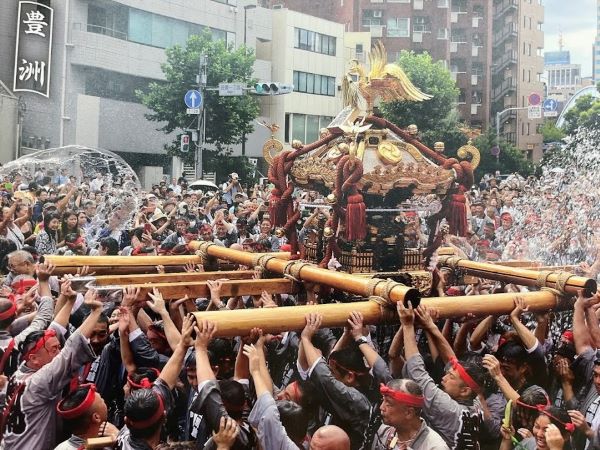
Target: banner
[[33, 49]]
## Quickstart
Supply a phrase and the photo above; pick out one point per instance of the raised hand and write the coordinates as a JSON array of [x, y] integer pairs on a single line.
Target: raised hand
[[313, 323], [44, 271], [204, 334], [356, 325], [252, 353], [130, 295], [520, 308], [228, 431], [425, 316], [124, 320], [157, 304], [491, 363], [187, 328], [267, 301], [554, 439], [407, 315], [91, 299]]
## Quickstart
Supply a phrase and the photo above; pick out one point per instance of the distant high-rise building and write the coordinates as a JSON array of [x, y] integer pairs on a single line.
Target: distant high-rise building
[[596, 47], [558, 57], [456, 32], [563, 79], [517, 69]]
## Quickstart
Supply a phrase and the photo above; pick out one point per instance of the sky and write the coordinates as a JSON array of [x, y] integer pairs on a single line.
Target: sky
[[577, 20]]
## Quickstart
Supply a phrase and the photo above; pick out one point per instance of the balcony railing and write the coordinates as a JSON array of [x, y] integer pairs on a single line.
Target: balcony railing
[[510, 57], [509, 30], [505, 87], [501, 8]]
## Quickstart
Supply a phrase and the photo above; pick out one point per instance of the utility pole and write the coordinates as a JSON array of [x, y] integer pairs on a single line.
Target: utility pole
[[201, 78]]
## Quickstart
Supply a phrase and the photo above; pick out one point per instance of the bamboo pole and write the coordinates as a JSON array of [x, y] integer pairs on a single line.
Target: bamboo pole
[[292, 318], [232, 288], [116, 261], [310, 273], [121, 280], [564, 282], [117, 270]]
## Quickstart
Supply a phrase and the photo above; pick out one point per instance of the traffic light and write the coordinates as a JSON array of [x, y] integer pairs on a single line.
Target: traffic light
[[273, 88], [184, 143]]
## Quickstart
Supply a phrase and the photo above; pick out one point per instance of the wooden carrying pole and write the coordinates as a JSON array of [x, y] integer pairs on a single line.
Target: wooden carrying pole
[[121, 280], [307, 272], [123, 265], [292, 318], [233, 288], [564, 282]]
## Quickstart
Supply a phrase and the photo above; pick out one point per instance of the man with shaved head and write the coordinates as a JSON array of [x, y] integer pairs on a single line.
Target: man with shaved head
[[330, 437]]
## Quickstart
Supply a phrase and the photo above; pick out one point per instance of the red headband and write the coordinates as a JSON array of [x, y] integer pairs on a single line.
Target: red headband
[[86, 404], [144, 383], [402, 397], [76, 242], [462, 373], [140, 424], [569, 426], [41, 342], [11, 311], [23, 285]]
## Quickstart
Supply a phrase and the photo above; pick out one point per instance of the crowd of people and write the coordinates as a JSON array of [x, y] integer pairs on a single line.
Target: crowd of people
[[144, 375]]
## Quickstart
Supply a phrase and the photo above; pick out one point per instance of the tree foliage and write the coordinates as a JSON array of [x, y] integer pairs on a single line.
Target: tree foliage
[[510, 160], [437, 118], [585, 113], [551, 132], [228, 119]]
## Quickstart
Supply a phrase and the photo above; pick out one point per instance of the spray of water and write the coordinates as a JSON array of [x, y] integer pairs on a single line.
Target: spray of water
[[557, 215], [117, 204]]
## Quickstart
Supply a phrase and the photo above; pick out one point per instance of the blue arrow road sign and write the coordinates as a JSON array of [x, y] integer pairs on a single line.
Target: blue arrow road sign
[[193, 99], [550, 104]]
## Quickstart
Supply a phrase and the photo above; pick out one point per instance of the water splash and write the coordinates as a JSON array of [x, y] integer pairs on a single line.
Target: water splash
[[121, 198], [556, 215]]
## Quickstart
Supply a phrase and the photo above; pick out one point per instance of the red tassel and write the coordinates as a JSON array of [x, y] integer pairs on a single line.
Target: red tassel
[[356, 223]]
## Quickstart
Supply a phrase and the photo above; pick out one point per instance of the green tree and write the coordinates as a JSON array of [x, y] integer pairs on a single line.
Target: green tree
[[228, 119], [437, 119], [510, 160], [585, 113], [551, 132]]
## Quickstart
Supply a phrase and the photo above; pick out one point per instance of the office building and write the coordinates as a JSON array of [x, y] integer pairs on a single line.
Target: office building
[[102, 51], [457, 33], [517, 71]]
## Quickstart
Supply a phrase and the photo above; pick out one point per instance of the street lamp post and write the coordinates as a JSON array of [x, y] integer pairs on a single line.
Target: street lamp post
[[499, 114]]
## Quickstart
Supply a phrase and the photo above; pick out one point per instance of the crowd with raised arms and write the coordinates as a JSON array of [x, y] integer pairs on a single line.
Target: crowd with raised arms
[[144, 374]]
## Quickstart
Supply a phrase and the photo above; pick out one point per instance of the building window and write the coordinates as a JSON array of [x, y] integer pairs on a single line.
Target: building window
[[314, 42], [143, 27], [458, 35], [477, 97], [398, 27], [305, 127], [460, 6], [442, 33], [462, 97], [478, 11], [421, 24], [477, 69], [109, 19], [113, 85], [311, 83], [372, 17]]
